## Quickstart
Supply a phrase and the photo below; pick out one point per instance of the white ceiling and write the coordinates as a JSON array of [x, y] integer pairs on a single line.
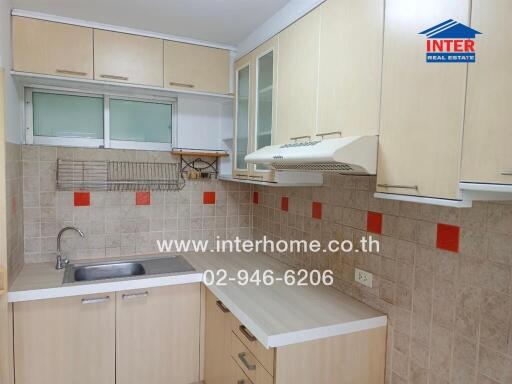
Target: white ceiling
[[220, 21]]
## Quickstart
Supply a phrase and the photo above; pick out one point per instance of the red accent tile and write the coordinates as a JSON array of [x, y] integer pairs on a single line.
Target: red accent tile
[[82, 199], [374, 222], [316, 210], [448, 237], [255, 197], [284, 203], [208, 197], [143, 198]]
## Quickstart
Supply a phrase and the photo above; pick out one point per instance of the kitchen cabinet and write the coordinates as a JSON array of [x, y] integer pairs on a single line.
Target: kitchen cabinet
[[422, 104], [297, 83], [157, 333], [68, 340], [248, 362], [244, 114], [196, 67], [487, 134], [128, 58], [45, 47], [350, 67], [217, 361]]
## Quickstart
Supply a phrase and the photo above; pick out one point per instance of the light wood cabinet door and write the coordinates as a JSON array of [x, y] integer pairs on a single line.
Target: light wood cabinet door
[[297, 83], [422, 104], [62, 341], [195, 67], [158, 335], [217, 359], [128, 58], [486, 156], [350, 67], [52, 48]]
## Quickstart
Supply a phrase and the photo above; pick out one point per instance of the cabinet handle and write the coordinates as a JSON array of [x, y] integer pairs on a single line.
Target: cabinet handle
[[398, 186], [240, 175], [241, 381], [222, 306], [128, 296], [329, 134], [300, 137], [68, 72], [250, 367], [184, 85], [246, 333], [506, 173], [113, 77], [256, 177], [96, 300]]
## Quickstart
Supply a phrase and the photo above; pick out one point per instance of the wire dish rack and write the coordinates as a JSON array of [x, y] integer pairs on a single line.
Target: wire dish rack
[[75, 175]]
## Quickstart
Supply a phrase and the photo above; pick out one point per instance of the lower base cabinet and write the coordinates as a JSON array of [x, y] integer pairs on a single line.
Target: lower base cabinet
[[145, 336], [358, 357]]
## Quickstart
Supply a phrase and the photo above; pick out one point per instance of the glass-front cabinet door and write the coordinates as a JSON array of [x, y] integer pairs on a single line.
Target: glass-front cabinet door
[[265, 62], [243, 116]]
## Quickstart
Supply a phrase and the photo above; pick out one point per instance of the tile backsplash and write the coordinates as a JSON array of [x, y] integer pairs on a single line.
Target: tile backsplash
[[443, 275], [122, 223]]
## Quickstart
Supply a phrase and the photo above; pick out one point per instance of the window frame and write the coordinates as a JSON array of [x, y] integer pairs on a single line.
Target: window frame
[[106, 142]]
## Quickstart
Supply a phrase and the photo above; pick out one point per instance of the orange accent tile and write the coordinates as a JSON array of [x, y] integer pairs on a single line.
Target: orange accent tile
[[82, 199], [374, 222], [448, 237], [143, 198], [316, 210], [284, 203], [208, 197]]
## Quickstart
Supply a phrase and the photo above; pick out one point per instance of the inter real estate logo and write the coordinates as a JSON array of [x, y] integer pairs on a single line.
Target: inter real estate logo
[[450, 42]]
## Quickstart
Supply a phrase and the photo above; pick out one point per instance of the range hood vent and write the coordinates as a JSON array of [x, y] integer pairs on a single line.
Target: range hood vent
[[349, 155]]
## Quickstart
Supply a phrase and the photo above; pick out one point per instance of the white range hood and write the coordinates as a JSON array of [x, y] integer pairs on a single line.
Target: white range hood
[[349, 155]]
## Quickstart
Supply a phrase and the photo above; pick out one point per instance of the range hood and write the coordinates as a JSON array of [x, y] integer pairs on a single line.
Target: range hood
[[350, 155]]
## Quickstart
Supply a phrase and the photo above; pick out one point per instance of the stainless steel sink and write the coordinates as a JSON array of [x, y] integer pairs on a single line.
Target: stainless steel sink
[[122, 269]]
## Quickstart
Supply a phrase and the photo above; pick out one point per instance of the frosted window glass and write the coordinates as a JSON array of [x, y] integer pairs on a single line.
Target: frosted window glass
[[242, 134], [67, 115], [264, 117], [140, 121]]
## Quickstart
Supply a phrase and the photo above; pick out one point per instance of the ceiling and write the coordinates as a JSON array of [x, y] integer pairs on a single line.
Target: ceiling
[[220, 21]]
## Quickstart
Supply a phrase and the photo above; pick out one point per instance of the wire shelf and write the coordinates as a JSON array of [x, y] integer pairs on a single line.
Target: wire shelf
[[118, 176]]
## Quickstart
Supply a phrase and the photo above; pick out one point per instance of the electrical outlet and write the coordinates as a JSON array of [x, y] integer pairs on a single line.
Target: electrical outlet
[[363, 277]]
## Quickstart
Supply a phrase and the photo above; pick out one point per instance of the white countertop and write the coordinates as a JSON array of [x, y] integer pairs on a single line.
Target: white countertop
[[277, 315]]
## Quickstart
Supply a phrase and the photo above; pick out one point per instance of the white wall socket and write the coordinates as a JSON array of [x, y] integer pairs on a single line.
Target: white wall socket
[[363, 277]]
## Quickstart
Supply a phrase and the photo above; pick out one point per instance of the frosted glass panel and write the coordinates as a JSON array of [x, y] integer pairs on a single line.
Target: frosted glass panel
[[242, 134], [140, 121], [67, 115], [264, 102]]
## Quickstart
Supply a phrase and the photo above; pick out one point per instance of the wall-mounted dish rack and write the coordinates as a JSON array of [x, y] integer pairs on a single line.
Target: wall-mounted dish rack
[[75, 175]]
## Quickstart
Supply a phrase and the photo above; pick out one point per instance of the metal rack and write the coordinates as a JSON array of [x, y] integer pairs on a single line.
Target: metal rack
[[118, 176]]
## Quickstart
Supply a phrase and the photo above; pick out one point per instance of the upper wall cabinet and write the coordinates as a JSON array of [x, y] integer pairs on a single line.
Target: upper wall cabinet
[[422, 104], [350, 67], [487, 133], [195, 67], [128, 58], [297, 82], [52, 48]]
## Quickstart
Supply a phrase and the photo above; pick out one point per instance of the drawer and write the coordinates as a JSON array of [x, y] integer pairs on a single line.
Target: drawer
[[248, 362], [237, 376], [265, 356]]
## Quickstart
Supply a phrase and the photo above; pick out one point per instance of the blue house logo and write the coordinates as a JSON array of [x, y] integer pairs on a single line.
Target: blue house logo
[[450, 42]]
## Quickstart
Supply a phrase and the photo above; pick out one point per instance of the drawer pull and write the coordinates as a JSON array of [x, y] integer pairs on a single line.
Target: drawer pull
[[241, 381], [222, 306], [96, 300], [128, 296], [300, 137], [329, 134], [506, 173], [256, 177], [250, 367], [69, 72], [184, 85], [415, 187], [246, 333], [113, 77], [240, 175]]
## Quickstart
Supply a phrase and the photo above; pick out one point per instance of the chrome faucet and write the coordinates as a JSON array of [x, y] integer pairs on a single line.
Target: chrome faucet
[[62, 262]]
